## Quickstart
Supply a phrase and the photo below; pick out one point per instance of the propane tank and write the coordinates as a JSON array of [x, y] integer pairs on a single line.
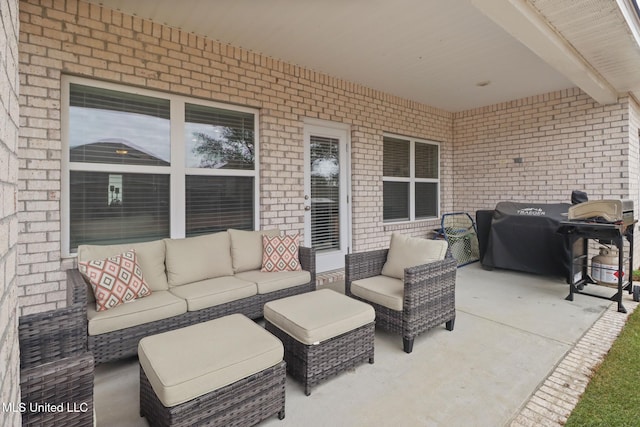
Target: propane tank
[[605, 266]]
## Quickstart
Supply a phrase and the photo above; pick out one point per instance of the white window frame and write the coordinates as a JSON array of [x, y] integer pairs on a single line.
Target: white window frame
[[412, 180], [177, 169]]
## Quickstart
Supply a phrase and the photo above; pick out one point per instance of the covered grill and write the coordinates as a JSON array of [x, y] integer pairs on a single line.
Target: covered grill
[[523, 237]]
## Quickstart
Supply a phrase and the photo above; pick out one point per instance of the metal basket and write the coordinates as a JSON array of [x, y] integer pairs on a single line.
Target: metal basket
[[459, 230]]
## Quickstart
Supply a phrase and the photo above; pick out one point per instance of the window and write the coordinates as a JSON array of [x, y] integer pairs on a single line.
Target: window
[[411, 179], [143, 165]]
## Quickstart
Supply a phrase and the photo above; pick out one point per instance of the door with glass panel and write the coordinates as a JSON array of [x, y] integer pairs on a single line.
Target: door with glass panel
[[326, 203]]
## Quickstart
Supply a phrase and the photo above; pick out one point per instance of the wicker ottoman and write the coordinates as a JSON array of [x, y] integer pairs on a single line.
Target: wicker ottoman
[[324, 333], [225, 372]]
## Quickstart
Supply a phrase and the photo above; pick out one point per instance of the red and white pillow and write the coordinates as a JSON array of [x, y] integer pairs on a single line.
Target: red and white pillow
[[280, 253], [115, 280]]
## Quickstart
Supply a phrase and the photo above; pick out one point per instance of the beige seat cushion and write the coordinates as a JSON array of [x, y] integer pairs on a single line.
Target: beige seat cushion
[[406, 251], [246, 248], [382, 290], [157, 306], [197, 258], [316, 316], [214, 354], [275, 281], [150, 257], [210, 292]]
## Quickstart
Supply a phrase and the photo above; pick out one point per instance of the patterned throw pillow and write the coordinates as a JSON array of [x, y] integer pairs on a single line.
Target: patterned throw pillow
[[280, 253], [115, 280]]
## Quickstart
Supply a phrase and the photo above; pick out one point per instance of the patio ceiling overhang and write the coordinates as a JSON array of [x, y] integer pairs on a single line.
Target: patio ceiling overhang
[[455, 55]]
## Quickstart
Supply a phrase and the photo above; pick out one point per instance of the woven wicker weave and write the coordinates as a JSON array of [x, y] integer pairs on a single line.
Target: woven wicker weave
[[243, 403], [124, 342], [312, 364], [429, 294], [55, 367]]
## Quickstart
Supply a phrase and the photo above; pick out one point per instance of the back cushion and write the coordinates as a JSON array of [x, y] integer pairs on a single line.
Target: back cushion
[[150, 257], [406, 251], [246, 248], [198, 258]]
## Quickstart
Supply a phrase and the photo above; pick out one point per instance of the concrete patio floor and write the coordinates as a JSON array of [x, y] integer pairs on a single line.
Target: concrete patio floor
[[511, 331]]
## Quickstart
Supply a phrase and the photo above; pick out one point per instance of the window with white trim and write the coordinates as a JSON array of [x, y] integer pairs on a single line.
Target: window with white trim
[[411, 179], [142, 165]]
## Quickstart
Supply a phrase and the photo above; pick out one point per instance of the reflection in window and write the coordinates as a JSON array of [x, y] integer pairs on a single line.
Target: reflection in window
[[216, 203], [108, 126], [115, 190], [218, 139], [144, 217], [120, 142], [325, 193]]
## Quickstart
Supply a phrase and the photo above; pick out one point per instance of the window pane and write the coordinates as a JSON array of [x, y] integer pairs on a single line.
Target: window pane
[[325, 193], [395, 157], [396, 201], [218, 139], [426, 160], [426, 199], [216, 203], [111, 208], [107, 126]]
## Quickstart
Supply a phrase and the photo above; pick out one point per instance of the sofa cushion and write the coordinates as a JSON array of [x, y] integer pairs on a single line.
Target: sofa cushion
[[280, 253], [220, 352], [157, 306], [382, 290], [406, 251], [115, 280], [197, 258], [210, 292], [246, 248], [275, 281], [150, 256]]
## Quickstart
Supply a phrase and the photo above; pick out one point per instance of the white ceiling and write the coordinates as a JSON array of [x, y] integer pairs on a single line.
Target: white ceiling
[[431, 51]]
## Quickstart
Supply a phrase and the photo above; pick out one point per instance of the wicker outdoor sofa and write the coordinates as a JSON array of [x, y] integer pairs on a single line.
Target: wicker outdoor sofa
[[55, 367], [426, 293], [192, 280]]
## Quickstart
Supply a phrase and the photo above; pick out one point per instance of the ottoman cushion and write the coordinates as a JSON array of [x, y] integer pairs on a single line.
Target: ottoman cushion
[[316, 316], [190, 362]]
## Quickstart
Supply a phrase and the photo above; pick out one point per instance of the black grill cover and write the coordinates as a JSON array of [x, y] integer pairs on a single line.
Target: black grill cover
[[523, 237]]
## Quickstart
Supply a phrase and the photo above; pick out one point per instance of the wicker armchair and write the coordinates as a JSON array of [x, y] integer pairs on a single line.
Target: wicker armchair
[[56, 370], [428, 300]]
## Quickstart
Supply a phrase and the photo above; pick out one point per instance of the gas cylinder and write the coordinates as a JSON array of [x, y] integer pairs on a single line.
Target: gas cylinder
[[605, 266]]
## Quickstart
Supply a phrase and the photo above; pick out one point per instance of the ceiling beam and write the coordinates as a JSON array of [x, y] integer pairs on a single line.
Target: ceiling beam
[[522, 21]]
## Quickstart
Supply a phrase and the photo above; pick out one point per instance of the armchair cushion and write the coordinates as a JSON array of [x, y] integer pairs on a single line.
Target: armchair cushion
[[382, 290], [406, 251]]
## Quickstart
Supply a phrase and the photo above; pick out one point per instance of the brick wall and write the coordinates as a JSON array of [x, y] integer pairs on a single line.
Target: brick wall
[[565, 141], [74, 37], [9, 122]]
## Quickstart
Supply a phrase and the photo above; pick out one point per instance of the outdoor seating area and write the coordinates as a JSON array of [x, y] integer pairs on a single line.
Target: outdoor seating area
[[206, 277], [477, 366], [246, 370], [187, 380], [364, 221]]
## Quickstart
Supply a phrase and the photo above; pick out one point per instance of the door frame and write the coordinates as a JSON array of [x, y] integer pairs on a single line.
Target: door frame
[[343, 132]]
